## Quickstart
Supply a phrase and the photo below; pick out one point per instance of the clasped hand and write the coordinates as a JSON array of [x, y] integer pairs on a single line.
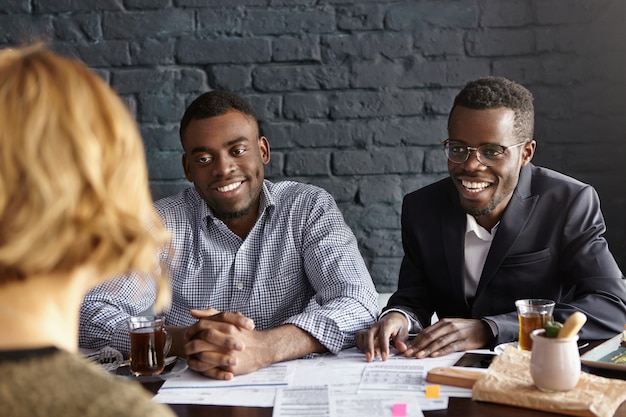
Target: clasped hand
[[446, 336], [222, 344]]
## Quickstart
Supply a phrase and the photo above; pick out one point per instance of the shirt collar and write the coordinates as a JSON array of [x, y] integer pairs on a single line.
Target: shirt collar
[[479, 231], [267, 198]]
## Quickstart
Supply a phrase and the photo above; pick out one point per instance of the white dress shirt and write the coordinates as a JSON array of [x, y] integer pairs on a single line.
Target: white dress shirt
[[477, 244]]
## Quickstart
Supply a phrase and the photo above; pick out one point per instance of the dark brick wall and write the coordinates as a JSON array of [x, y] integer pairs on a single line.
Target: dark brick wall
[[354, 95]]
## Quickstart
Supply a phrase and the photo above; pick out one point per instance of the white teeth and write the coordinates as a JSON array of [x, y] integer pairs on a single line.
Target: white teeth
[[475, 186], [229, 187]]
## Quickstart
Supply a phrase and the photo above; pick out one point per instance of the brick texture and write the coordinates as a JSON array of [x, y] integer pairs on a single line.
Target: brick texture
[[354, 95]]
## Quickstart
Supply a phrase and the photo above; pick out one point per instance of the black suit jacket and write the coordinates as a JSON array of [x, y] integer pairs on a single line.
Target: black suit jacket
[[549, 244]]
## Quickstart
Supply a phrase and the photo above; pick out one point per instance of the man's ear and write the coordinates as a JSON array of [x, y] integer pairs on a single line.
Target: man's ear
[[528, 151], [186, 168], [264, 149]]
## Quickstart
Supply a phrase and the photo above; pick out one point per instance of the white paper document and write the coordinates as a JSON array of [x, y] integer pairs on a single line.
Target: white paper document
[[273, 376], [252, 390], [393, 377], [374, 404], [302, 401], [327, 402], [324, 385]]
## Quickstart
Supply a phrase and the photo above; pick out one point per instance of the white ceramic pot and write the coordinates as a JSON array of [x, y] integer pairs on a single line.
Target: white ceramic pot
[[554, 362]]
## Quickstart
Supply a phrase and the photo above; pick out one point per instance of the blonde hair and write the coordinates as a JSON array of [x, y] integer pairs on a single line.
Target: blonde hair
[[73, 176]]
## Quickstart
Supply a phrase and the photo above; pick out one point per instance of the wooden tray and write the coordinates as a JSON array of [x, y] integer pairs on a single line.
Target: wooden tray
[[454, 376], [466, 379]]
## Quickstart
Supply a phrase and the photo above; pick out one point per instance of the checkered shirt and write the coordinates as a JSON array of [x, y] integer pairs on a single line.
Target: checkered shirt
[[299, 264]]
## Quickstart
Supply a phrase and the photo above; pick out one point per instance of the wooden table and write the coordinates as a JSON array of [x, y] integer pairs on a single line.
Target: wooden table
[[457, 407]]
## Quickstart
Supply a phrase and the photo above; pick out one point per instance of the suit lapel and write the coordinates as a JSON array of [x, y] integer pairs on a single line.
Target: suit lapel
[[513, 221], [453, 234]]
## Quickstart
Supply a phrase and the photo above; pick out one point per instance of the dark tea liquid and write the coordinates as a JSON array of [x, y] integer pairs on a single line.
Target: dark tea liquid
[[146, 351], [527, 323]]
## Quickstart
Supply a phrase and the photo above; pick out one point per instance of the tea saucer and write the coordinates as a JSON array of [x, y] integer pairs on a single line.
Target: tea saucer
[[500, 348], [171, 370]]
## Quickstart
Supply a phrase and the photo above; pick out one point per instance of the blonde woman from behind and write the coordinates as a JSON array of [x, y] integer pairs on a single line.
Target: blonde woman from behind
[[74, 209]]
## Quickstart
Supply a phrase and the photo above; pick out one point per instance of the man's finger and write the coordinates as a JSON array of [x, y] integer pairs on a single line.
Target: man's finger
[[399, 344], [203, 338], [384, 334], [205, 313], [205, 354], [367, 344], [239, 320], [209, 370], [236, 319]]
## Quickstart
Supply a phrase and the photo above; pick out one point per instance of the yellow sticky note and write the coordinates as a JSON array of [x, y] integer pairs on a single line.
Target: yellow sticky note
[[432, 391]]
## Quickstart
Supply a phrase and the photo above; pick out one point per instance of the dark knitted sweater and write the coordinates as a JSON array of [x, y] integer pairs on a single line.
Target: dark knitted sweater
[[50, 382]]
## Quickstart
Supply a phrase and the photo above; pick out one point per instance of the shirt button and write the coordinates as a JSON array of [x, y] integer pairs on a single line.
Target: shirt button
[[240, 286]]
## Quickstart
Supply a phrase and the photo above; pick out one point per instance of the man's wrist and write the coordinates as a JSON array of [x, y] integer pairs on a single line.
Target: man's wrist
[[413, 326], [178, 340], [492, 327]]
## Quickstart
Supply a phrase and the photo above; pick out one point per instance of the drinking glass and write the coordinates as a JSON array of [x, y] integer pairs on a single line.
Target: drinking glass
[[149, 344], [532, 314]]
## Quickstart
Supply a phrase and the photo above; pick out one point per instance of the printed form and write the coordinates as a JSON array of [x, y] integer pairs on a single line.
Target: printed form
[[324, 385]]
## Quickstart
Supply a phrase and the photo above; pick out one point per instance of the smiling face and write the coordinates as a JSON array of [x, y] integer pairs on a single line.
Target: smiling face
[[224, 158], [484, 191]]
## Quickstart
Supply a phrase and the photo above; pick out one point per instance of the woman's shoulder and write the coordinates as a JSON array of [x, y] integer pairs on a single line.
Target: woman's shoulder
[[66, 384]]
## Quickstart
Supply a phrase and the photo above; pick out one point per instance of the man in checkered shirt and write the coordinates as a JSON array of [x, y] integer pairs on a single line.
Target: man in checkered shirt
[[261, 272]]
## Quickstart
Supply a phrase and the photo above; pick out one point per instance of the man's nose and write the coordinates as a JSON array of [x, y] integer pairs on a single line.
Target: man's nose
[[472, 161], [223, 165]]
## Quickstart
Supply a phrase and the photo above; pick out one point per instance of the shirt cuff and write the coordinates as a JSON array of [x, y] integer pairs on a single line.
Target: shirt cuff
[[492, 326], [413, 326]]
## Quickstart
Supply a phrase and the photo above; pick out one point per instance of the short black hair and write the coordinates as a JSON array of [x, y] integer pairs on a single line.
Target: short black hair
[[214, 103], [495, 92]]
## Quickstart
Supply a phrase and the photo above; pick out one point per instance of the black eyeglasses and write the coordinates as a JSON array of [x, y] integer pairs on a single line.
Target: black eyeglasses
[[489, 154]]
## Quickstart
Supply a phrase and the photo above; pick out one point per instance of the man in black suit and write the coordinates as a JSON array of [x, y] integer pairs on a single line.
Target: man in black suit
[[496, 230]]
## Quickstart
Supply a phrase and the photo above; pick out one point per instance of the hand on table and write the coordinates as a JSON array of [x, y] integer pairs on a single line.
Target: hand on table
[[375, 340], [221, 344], [449, 335]]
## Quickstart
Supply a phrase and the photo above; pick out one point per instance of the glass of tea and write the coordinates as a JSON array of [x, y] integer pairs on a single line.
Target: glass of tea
[[532, 313], [149, 344]]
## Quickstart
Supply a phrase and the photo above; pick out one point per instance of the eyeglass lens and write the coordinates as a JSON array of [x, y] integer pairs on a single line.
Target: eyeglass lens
[[487, 154]]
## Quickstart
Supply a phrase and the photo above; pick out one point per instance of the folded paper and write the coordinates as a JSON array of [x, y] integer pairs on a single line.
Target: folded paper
[[508, 381]]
